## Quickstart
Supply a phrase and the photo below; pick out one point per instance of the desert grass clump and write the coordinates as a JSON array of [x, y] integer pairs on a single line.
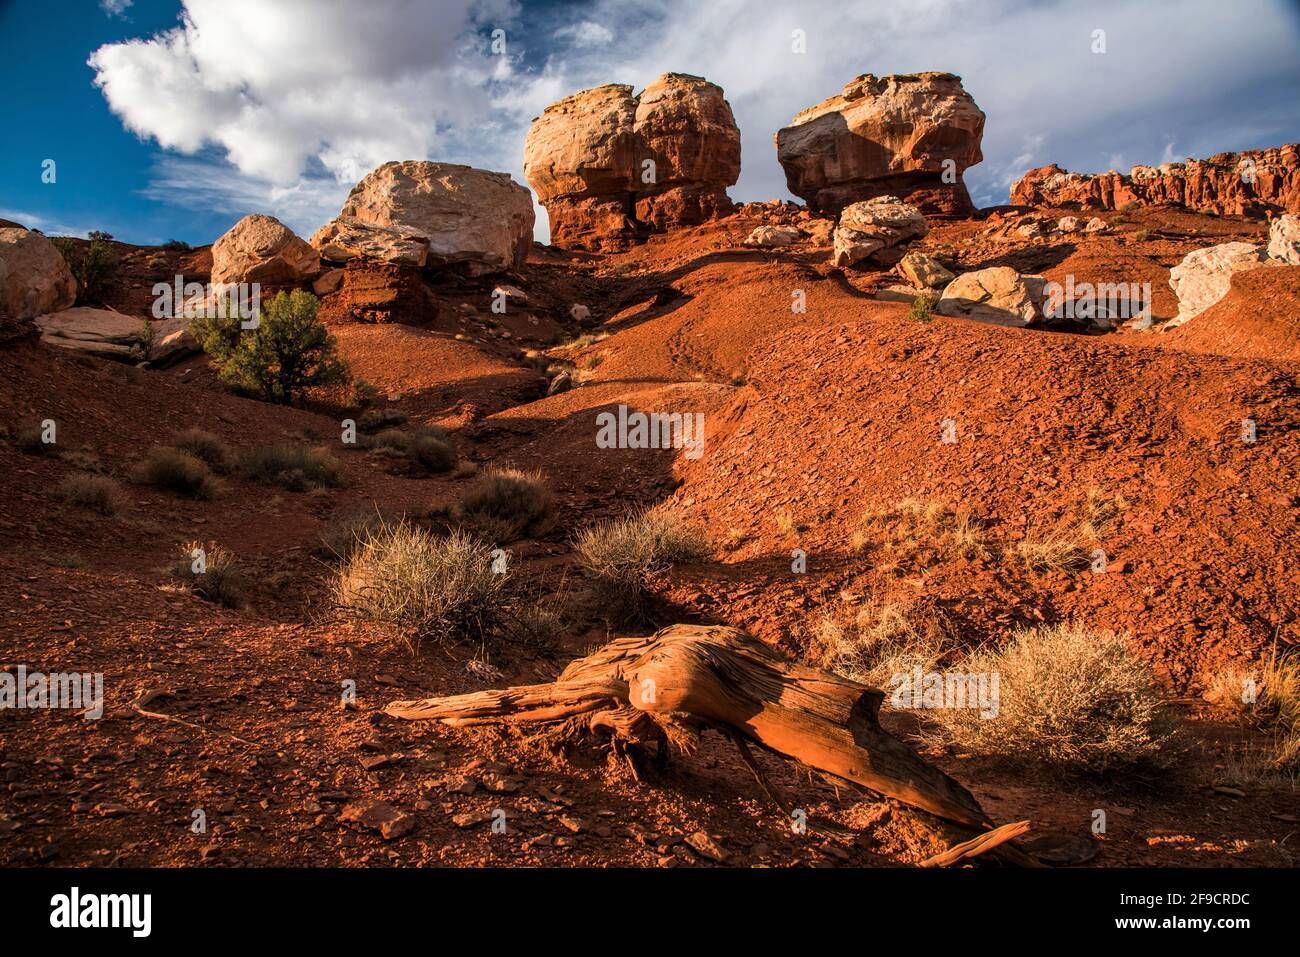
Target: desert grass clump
[[378, 419], [176, 471], [1265, 697], [420, 586], [1068, 546], [431, 452], [349, 528], [920, 310], [296, 468], [624, 554], [915, 533], [507, 504], [211, 572], [98, 493], [1069, 697], [206, 446], [883, 639], [32, 441]]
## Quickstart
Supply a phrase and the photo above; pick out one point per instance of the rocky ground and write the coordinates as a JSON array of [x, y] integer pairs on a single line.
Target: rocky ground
[[813, 417]]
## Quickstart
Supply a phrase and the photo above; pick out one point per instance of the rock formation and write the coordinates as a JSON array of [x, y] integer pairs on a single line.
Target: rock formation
[[1284, 239], [1205, 276], [262, 249], [420, 213], [610, 167], [998, 295], [110, 334], [876, 230], [1250, 183], [910, 135], [34, 276]]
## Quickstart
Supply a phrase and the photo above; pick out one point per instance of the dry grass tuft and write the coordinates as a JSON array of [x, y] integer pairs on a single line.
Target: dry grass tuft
[[96, 492], [623, 554], [296, 468], [210, 572], [176, 471], [883, 639], [1069, 697], [1068, 546], [1266, 697], [506, 504], [207, 447], [916, 533]]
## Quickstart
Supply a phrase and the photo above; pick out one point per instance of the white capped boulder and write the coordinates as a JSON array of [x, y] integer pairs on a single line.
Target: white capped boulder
[[260, 249], [998, 295], [766, 237], [110, 334], [876, 229], [1284, 239], [1205, 275], [34, 276], [476, 219]]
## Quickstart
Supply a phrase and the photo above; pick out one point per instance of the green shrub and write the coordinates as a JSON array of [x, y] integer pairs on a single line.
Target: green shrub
[[93, 265], [176, 471], [286, 353], [920, 311], [293, 467], [176, 246]]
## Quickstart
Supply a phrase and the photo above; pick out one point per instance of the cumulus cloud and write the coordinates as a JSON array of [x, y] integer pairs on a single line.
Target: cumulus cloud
[[115, 8], [299, 98]]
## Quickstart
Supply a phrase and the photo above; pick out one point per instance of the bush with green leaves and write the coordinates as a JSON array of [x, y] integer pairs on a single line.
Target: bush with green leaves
[[288, 352], [93, 264]]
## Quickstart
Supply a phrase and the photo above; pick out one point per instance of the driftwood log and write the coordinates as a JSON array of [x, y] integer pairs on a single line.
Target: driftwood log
[[643, 690]]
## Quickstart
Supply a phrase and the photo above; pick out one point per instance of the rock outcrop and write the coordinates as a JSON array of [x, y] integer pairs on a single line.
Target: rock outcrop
[[34, 276], [418, 213], [261, 249], [1205, 276], [924, 272], [610, 167], [909, 135], [110, 334], [876, 230], [1284, 239], [1249, 183], [998, 295]]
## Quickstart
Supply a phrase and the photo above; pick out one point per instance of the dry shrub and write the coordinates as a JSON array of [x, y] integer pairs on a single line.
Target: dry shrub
[[916, 533], [420, 586], [1068, 545], [883, 639], [97, 492], [220, 581], [377, 419], [176, 471], [623, 554], [1069, 697], [31, 440], [205, 446], [296, 468], [348, 528], [506, 504], [1266, 697]]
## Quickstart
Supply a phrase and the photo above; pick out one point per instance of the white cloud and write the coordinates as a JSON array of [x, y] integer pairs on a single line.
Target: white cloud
[[115, 8], [302, 97]]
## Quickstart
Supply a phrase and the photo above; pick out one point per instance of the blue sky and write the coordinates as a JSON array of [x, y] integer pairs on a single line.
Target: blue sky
[[173, 118]]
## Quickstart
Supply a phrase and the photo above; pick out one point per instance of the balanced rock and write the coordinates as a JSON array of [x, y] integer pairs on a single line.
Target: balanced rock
[[876, 229], [1205, 276], [34, 276], [261, 249], [419, 212], [908, 135], [1251, 182], [610, 167], [998, 295], [1284, 239]]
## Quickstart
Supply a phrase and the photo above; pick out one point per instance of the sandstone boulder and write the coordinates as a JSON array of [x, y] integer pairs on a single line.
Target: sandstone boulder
[[1205, 275], [1284, 239], [1248, 183], [609, 166], [876, 229], [909, 135], [34, 276], [998, 295], [110, 334], [1068, 224], [261, 249], [924, 272], [419, 212], [766, 237]]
